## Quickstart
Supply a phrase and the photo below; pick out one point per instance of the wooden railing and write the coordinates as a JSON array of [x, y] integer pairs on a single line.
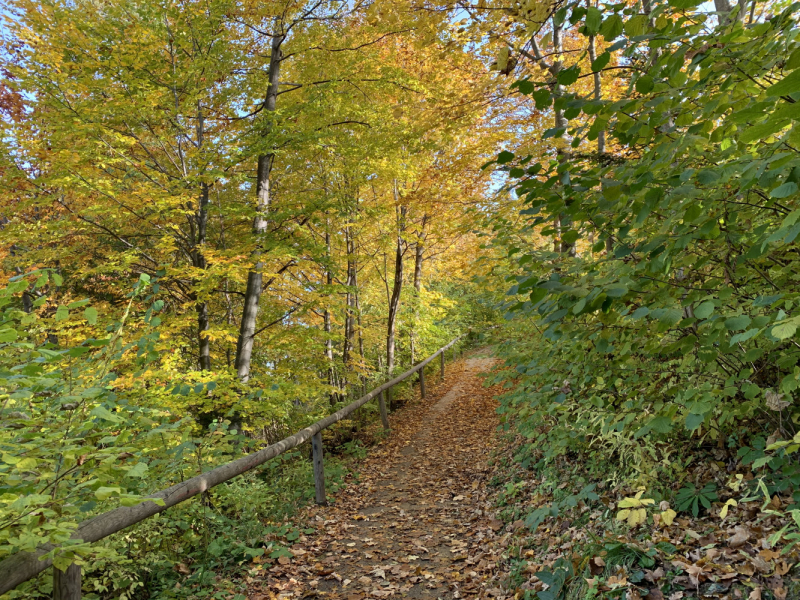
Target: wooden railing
[[23, 566]]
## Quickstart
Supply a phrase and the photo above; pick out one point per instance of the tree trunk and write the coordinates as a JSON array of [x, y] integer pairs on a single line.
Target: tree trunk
[[198, 241], [358, 322], [350, 304], [418, 258], [560, 122], [394, 302], [598, 95], [327, 316], [252, 295], [598, 92]]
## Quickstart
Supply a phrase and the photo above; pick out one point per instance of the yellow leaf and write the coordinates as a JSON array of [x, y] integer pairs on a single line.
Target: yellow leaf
[[637, 517], [668, 516], [724, 512], [502, 58], [26, 464], [623, 514], [629, 503]]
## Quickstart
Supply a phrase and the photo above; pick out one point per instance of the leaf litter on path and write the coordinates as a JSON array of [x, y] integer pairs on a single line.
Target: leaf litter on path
[[418, 522]]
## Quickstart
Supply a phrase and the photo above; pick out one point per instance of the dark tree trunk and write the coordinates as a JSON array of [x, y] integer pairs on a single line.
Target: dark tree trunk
[[419, 249], [394, 302], [198, 226]]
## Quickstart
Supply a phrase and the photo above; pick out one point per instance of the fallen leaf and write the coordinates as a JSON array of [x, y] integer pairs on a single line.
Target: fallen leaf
[[654, 576], [782, 568], [740, 536], [617, 581], [597, 565], [668, 516], [769, 554]]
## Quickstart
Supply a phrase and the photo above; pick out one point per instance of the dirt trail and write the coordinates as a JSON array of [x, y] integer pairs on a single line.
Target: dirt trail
[[418, 523]]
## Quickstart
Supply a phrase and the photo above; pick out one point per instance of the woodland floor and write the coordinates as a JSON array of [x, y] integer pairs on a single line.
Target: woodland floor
[[418, 521]]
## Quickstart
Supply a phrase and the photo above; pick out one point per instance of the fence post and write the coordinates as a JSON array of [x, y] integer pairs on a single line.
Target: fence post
[[382, 407], [67, 584], [319, 468], [422, 381], [441, 356]]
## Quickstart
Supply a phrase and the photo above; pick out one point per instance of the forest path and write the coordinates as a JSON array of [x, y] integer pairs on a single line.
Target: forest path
[[417, 524]]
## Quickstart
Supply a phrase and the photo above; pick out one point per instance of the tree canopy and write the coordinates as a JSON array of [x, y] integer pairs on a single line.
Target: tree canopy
[[221, 220]]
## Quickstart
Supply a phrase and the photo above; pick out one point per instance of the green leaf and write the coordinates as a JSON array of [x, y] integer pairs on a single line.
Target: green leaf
[[684, 4], [707, 177], [104, 493], [537, 294], [104, 413], [611, 27], [138, 470], [569, 76], [601, 61], [525, 87], [661, 424], [760, 462], [78, 303], [737, 323], [78, 351], [616, 291], [644, 84], [794, 61], [8, 335], [704, 310], [743, 337], [693, 421], [62, 313], [788, 85], [90, 314], [782, 191], [636, 25], [671, 317], [593, 19], [542, 97], [505, 157], [784, 330]]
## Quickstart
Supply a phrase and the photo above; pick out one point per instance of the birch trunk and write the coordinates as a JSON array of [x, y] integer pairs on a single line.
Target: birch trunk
[[252, 296], [327, 316]]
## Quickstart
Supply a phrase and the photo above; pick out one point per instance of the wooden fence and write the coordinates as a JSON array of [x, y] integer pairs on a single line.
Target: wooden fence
[[23, 566]]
